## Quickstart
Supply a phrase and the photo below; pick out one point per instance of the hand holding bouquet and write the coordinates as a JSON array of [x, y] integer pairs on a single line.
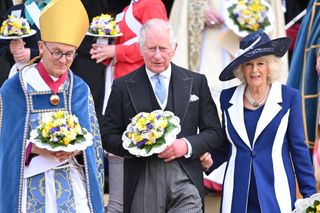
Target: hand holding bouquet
[[150, 133], [60, 131]]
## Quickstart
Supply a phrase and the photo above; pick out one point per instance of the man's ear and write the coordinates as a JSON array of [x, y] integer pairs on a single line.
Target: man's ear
[[40, 47], [174, 49]]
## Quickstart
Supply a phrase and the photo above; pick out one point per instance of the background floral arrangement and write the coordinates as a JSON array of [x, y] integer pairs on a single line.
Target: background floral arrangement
[[248, 15], [14, 26], [60, 131], [103, 25], [308, 205], [150, 133]]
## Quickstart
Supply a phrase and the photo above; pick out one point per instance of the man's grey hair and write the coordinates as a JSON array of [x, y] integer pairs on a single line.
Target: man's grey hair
[[158, 23]]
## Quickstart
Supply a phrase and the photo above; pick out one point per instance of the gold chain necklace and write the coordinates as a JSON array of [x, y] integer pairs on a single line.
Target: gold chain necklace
[[259, 102]]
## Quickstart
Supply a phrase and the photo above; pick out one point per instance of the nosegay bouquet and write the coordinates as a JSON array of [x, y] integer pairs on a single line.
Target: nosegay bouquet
[[103, 25], [150, 133], [60, 131], [14, 26], [246, 16]]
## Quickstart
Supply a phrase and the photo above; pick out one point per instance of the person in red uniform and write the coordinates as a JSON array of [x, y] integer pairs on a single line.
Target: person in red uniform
[[124, 56], [127, 56], [120, 59]]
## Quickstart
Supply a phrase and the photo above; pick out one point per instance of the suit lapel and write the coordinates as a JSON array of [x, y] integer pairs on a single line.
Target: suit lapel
[[270, 109], [182, 86], [236, 114], [138, 87]]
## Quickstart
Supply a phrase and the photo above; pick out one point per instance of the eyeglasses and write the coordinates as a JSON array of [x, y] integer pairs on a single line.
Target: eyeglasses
[[57, 54]]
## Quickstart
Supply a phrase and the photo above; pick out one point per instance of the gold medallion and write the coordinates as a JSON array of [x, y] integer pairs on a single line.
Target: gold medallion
[[54, 99]]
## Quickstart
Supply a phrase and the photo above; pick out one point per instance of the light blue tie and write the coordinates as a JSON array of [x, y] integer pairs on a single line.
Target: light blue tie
[[160, 88]]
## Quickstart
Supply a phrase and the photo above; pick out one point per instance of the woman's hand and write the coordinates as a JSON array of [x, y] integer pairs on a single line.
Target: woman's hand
[[100, 52], [212, 18], [206, 161]]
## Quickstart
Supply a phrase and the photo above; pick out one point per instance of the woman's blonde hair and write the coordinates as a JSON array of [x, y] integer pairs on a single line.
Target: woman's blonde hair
[[274, 64]]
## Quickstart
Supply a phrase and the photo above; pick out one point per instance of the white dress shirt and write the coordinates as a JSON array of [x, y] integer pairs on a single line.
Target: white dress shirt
[[166, 75]]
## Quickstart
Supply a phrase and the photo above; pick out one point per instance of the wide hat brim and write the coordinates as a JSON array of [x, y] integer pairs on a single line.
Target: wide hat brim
[[277, 47]]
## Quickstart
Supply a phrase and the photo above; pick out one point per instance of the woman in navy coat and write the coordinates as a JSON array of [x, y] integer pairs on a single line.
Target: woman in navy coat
[[263, 122]]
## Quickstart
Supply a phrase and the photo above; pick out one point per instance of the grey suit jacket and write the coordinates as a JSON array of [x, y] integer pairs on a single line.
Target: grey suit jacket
[[130, 95]]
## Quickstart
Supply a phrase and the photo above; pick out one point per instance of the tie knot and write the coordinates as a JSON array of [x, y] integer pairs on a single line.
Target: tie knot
[[158, 76]]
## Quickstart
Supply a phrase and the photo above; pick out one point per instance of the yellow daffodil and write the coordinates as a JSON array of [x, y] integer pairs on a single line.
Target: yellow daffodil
[[142, 124], [66, 141], [151, 141], [59, 114], [17, 24], [70, 123], [44, 133], [137, 137]]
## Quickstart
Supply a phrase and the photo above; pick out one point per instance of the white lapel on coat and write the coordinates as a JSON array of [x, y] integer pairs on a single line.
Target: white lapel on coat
[[237, 115], [270, 110]]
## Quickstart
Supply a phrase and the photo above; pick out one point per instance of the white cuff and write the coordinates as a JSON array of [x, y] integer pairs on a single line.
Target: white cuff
[[297, 202], [189, 153]]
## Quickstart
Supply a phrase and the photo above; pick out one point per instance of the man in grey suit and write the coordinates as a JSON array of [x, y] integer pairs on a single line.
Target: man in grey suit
[[172, 180]]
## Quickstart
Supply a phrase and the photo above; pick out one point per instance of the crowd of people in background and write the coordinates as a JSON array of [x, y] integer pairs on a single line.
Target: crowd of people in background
[[248, 105]]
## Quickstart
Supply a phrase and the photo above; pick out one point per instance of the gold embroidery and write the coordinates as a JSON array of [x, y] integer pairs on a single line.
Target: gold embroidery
[[197, 9]]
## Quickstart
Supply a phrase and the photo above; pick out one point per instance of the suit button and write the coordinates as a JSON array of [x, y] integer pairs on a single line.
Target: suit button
[[253, 154]]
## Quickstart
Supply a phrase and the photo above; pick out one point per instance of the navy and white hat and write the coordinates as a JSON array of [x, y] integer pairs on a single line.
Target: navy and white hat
[[255, 45]]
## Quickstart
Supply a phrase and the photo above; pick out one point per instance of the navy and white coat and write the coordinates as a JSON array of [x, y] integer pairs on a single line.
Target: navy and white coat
[[277, 155]]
